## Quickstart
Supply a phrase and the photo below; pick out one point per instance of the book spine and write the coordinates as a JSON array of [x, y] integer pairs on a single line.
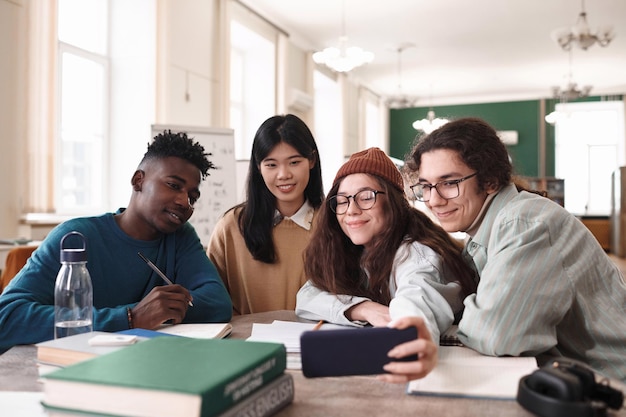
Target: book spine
[[247, 383], [266, 401]]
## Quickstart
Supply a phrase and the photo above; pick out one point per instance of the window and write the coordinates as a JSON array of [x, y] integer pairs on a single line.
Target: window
[[589, 147], [373, 131], [83, 105], [252, 83], [328, 116]]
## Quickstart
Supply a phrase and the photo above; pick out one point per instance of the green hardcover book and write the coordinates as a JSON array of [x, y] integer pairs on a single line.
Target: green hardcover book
[[168, 377], [267, 400]]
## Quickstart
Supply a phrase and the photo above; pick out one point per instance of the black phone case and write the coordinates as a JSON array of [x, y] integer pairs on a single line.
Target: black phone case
[[351, 351]]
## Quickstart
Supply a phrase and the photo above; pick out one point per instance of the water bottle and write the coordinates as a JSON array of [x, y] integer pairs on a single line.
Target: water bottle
[[73, 292]]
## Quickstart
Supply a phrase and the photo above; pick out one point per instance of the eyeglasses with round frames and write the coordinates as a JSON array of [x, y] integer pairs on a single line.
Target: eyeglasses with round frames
[[364, 200], [447, 189]]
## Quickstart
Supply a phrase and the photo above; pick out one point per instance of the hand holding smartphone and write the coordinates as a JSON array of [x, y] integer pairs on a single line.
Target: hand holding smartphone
[[351, 351]]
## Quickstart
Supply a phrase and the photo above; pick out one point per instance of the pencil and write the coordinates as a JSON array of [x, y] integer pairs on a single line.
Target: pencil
[[318, 325], [158, 271]]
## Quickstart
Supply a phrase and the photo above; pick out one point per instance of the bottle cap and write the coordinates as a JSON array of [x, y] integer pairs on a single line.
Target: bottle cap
[[74, 254]]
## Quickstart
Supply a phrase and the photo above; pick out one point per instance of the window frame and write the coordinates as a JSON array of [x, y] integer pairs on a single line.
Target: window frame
[[99, 201], [98, 161], [258, 52]]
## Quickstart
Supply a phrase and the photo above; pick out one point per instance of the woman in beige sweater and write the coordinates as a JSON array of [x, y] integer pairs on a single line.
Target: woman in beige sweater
[[257, 246]]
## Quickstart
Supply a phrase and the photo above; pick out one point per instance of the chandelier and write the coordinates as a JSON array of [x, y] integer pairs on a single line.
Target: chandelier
[[400, 100], [565, 95], [343, 58], [570, 92], [430, 123], [581, 35]]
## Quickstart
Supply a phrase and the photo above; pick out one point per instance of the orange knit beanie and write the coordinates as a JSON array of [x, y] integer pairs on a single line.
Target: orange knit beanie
[[372, 161]]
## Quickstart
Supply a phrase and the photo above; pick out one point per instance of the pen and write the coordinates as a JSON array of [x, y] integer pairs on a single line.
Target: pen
[[158, 271], [318, 325]]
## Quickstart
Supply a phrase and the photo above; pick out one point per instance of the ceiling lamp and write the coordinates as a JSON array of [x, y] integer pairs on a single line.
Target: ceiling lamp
[[581, 35], [556, 117], [570, 92], [430, 123], [343, 58], [401, 101], [565, 95]]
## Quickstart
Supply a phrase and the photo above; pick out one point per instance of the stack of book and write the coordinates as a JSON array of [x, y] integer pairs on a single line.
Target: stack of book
[[56, 353], [175, 376], [288, 333]]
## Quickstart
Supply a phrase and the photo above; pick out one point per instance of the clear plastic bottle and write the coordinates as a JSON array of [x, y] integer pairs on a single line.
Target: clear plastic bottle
[[73, 291]]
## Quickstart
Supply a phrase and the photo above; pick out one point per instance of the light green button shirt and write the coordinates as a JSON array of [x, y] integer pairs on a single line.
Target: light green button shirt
[[546, 284]]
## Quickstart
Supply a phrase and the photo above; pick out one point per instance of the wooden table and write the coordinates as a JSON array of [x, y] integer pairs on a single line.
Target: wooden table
[[323, 397]]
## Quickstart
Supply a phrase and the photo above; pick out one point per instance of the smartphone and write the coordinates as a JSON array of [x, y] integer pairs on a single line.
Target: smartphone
[[351, 351]]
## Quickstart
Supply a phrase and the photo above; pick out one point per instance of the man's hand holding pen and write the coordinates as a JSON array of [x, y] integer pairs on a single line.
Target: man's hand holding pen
[[163, 303]]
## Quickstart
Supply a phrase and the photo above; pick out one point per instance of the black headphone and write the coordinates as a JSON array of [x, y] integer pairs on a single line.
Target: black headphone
[[564, 387]]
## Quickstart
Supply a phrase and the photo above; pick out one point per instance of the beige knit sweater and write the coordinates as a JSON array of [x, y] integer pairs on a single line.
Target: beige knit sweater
[[255, 286]]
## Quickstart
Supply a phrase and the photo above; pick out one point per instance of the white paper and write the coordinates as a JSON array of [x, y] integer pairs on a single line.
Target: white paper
[[285, 332], [22, 404], [198, 330], [463, 372]]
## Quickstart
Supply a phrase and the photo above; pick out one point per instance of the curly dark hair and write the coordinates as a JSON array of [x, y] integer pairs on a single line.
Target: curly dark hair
[[477, 145], [168, 144]]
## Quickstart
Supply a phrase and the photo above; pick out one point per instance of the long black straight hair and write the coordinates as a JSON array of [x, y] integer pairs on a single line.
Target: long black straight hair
[[257, 212]]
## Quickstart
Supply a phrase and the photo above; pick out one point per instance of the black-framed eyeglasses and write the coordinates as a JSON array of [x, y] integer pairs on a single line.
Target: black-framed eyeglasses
[[364, 200], [447, 189]]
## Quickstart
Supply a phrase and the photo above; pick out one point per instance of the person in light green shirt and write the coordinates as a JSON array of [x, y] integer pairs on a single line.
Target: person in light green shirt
[[546, 287]]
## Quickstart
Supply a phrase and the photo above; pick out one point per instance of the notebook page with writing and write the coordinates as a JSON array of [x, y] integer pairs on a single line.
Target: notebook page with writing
[[463, 372]]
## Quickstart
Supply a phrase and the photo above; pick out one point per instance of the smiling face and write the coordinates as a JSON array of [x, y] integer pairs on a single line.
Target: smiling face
[[164, 191], [456, 214], [286, 175], [361, 226]]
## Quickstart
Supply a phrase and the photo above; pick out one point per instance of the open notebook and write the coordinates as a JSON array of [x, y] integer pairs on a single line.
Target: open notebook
[[198, 330], [288, 333], [463, 372]]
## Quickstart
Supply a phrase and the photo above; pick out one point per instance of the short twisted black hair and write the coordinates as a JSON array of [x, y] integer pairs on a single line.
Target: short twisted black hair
[[168, 144]]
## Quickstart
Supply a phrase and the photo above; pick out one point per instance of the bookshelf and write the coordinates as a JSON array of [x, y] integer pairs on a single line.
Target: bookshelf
[[555, 187]]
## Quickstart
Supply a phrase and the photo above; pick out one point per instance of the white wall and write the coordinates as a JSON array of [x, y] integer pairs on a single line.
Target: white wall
[[186, 55]]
